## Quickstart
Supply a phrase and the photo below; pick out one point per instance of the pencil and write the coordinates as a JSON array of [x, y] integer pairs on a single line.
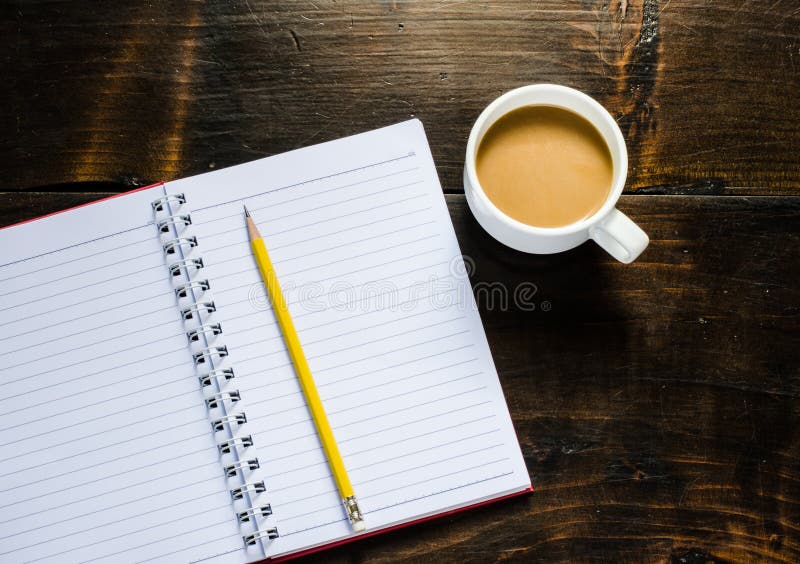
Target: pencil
[[304, 376]]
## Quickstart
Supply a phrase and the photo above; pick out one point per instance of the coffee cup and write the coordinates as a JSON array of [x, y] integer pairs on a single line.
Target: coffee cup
[[607, 226]]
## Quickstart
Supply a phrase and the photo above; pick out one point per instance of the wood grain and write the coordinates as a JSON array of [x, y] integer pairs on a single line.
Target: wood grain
[[130, 93], [657, 404]]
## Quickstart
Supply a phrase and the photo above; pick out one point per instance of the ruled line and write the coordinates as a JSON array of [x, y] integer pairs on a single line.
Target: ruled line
[[107, 355], [85, 243], [373, 479], [271, 414], [212, 236], [439, 492], [504, 459], [157, 432], [368, 372], [31, 529], [396, 411], [107, 430], [305, 196], [344, 319], [371, 238], [92, 299], [119, 277], [106, 369], [95, 269], [347, 304], [129, 486], [98, 449], [320, 281], [157, 494], [152, 223], [164, 309], [93, 255], [238, 538], [359, 198], [338, 276], [185, 393], [41, 542], [374, 281], [359, 360], [174, 366], [277, 337], [305, 255], [360, 344], [128, 549], [128, 471], [92, 344], [319, 222], [394, 443], [287, 186], [318, 266], [205, 252], [318, 448], [171, 397], [109, 461], [205, 558], [374, 401], [351, 228]]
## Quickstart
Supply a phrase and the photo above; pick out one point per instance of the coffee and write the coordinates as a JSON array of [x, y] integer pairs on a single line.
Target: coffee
[[545, 166]]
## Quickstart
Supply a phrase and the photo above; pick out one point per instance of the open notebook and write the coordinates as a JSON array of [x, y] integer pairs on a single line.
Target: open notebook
[[135, 333]]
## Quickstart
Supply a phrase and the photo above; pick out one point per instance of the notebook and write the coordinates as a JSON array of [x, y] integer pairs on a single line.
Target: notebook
[[150, 411]]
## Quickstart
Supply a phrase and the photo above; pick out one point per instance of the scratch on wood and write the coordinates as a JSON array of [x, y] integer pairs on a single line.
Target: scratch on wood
[[296, 40], [709, 186], [258, 21]]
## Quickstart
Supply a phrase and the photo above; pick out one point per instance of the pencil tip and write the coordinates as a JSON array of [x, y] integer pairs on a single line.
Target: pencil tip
[[246, 212]]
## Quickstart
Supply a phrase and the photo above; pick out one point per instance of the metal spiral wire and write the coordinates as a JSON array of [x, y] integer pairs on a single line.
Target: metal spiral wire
[[205, 339]]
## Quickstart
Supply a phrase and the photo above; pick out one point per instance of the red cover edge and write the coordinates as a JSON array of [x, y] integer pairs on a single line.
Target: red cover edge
[[23, 222], [349, 540]]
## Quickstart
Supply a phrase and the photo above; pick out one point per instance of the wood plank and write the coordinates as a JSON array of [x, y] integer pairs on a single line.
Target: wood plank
[[656, 403], [706, 93]]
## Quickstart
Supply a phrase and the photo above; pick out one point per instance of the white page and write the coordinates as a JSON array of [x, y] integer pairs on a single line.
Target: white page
[[364, 247], [108, 451]]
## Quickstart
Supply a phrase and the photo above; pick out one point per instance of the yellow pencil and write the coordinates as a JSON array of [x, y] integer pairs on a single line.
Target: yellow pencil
[[304, 375]]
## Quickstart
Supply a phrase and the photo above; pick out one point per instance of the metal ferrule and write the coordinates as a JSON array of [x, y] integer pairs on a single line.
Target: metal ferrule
[[353, 512]]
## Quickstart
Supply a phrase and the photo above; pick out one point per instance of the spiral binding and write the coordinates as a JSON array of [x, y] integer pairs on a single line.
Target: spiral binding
[[158, 205], [250, 487], [208, 353], [264, 511], [251, 539], [204, 336], [216, 374], [232, 469], [170, 247], [182, 290], [212, 329]]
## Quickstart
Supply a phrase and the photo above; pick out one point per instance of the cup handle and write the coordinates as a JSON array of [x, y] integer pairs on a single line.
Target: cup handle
[[620, 236]]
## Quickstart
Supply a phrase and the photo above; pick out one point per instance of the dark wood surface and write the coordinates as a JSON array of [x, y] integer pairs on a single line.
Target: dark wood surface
[[657, 403]]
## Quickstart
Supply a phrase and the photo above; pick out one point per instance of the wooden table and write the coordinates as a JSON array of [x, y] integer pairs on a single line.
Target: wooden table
[[656, 403]]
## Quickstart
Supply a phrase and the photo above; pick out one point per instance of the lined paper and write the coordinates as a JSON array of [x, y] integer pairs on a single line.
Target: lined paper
[[362, 242], [108, 452]]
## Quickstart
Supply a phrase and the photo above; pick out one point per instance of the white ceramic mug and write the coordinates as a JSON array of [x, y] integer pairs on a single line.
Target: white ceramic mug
[[608, 226]]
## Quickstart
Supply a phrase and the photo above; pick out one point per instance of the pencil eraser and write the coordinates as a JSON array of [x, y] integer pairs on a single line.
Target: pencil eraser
[[359, 527]]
